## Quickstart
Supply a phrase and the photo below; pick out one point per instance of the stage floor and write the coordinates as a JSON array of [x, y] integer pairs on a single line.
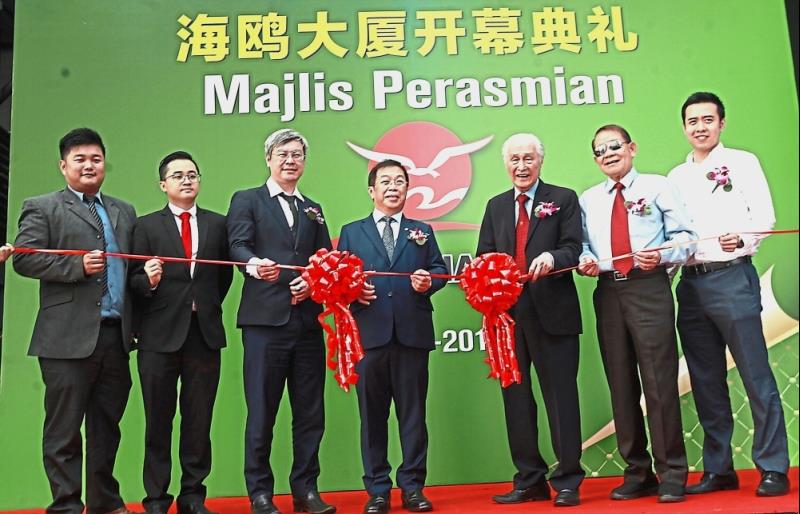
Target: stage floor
[[476, 499]]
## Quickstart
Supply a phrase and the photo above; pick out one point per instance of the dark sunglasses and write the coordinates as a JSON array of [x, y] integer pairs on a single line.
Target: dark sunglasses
[[612, 145]]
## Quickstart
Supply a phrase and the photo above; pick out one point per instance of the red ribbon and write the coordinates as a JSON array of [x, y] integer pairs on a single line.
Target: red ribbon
[[336, 279], [492, 285]]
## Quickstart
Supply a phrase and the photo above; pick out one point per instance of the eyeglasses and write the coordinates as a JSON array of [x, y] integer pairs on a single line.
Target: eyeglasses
[[528, 160], [179, 177], [613, 145], [296, 156], [398, 182]]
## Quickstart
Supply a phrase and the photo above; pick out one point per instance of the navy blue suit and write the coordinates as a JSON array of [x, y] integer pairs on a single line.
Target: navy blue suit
[[283, 344], [397, 334]]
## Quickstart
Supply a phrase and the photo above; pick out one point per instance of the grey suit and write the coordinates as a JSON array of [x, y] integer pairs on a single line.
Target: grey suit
[[83, 358]]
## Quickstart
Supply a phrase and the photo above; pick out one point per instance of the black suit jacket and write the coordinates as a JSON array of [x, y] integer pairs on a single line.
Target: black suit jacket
[[257, 227], [553, 300], [164, 314]]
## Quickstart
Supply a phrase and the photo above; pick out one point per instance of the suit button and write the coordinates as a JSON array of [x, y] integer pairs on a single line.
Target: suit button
[[98, 236], [98, 304], [389, 294], [99, 280]]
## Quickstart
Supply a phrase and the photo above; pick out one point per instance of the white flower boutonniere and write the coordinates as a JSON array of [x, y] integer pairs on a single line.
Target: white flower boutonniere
[[314, 214], [418, 236], [545, 209]]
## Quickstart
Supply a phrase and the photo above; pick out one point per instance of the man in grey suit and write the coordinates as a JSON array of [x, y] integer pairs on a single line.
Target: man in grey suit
[[83, 328]]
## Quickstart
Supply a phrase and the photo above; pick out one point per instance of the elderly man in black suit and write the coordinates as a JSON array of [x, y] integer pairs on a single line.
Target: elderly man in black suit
[[82, 334], [180, 333], [283, 344], [540, 225]]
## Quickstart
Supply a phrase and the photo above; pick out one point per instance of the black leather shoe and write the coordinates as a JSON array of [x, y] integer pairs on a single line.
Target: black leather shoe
[[567, 498], [671, 493], [415, 501], [714, 482], [633, 490], [193, 508], [312, 503], [773, 483], [536, 492], [262, 504], [378, 504]]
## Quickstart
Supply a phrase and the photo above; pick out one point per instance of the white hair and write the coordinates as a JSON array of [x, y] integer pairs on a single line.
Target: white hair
[[523, 139], [282, 136]]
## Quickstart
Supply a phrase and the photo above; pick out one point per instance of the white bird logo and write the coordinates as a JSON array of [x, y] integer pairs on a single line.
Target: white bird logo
[[442, 157]]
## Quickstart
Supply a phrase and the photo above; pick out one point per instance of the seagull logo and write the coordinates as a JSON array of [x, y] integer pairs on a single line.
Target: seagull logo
[[436, 187]]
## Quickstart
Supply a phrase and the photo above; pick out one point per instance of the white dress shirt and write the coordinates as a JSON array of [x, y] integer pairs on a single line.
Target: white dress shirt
[[275, 190], [379, 223], [667, 220], [177, 211], [746, 208]]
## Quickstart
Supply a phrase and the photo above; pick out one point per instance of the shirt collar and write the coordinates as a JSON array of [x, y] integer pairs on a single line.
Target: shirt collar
[[80, 195], [717, 149], [177, 211], [377, 215], [530, 192], [626, 181], [275, 190]]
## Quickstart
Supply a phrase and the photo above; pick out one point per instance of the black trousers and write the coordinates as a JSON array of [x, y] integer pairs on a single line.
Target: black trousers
[[198, 368], [293, 357], [95, 388], [399, 373], [636, 330], [555, 358]]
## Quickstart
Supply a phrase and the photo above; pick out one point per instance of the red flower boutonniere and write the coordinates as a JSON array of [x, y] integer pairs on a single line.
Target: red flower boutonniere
[[418, 236], [639, 208], [545, 209], [720, 176], [314, 214]]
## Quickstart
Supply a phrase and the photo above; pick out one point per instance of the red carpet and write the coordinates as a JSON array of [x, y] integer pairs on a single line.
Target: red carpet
[[476, 499]]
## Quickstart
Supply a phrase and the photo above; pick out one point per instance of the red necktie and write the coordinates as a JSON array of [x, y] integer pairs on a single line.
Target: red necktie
[[620, 237], [523, 222], [186, 234]]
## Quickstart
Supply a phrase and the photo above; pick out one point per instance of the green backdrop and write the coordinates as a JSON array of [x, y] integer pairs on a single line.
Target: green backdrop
[[116, 67]]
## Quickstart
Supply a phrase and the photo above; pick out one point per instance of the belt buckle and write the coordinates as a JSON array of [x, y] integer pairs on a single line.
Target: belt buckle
[[619, 277]]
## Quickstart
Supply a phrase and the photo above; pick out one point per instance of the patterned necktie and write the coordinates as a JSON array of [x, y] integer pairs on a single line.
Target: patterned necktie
[[388, 236], [186, 234], [523, 222], [90, 202], [620, 237], [290, 199]]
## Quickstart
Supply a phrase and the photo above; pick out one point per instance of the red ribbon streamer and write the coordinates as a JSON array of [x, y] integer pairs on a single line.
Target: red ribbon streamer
[[492, 285], [336, 279]]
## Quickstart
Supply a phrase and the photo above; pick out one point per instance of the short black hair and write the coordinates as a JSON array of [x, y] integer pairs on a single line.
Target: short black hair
[[174, 156], [613, 127], [703, 97], [388, 163], [79, 137]]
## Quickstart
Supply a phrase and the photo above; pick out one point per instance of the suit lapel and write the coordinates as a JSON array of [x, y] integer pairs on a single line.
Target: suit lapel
[[112, 210], [79, 208], [303, 222], [202, 233], [402, 239], [370, 229], [542, 194], [508, 215]]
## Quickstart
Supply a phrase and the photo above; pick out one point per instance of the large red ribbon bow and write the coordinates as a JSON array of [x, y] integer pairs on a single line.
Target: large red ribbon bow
[[336, 279], [492, 285]]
